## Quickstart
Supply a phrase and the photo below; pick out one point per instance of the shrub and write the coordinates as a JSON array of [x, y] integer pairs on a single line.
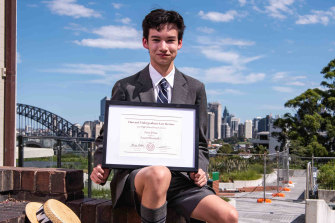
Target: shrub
[[326, 176]]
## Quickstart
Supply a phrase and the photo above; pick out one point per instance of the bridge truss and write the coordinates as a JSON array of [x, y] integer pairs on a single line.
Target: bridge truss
[[51, 123]]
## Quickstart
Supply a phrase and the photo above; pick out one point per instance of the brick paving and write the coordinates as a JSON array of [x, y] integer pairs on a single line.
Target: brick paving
[[288, 209]]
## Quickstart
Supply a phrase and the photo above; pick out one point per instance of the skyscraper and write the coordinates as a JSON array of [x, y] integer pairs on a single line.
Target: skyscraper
[[225, 115], [210, 125], [234, 126], [264, 124], [255, 122], [102, 109], [216, 108], [225, 130], [241, 133], [248, 129]]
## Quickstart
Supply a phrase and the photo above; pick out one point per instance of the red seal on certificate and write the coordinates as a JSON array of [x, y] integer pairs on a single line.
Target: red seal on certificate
[[150, 146]]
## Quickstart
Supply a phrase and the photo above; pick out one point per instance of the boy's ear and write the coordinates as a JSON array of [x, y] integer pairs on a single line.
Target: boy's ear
[[180, 44], [145, 43]]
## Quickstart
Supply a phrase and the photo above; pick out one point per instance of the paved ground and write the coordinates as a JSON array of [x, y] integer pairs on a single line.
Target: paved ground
[[290, 208]]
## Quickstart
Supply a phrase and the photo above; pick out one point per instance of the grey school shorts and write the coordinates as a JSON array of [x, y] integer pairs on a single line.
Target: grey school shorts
[[183, 195]]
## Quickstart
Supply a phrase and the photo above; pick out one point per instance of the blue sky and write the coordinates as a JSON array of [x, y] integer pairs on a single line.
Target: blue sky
[[252, 55]]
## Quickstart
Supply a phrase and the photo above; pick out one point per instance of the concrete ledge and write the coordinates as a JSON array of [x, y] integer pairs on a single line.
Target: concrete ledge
[[317, 211], [327, 195], [269, 179]]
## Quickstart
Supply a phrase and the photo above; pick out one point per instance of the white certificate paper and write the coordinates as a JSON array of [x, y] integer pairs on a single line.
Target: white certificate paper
[[150, 134]]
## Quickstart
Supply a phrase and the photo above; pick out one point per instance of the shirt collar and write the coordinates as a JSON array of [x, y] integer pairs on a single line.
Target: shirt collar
[[157, 77]]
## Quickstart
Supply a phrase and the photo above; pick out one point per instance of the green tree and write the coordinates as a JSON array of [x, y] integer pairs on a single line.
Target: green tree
[[225, 148], [311, 131]]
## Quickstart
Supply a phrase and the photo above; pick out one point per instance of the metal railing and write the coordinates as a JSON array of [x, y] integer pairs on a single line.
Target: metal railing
[[85, 146], [312, 172], [232, 166]]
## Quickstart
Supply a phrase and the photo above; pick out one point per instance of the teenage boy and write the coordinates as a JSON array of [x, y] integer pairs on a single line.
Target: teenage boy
[[151, 189]]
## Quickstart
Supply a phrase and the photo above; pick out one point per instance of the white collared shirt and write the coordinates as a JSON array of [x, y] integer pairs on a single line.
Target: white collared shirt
[[157, 77]]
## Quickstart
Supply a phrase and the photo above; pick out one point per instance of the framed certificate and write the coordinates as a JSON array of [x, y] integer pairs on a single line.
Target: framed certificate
[[148, 134]]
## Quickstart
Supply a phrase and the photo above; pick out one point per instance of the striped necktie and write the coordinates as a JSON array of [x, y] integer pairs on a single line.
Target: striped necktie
[[162, 97]]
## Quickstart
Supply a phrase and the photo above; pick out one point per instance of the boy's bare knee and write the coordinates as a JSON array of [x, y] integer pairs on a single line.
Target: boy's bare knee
[[230, 216], [159, 175]]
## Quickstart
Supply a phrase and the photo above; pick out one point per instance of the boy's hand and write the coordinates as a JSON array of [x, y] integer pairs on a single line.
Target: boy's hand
[[199, 178], [99, 175]]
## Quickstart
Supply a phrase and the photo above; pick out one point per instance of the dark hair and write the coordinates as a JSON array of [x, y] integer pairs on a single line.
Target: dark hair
[[158, 17]]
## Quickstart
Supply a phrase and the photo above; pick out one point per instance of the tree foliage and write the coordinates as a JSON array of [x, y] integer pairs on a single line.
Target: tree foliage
[[311, 131], [225, 148]]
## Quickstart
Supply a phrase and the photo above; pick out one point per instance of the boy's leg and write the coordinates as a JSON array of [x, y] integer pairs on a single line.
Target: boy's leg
[[151, 185], [213, 209]]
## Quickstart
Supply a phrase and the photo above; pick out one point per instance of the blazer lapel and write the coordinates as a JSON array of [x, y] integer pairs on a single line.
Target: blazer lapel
[[145, 89], [180, 89]]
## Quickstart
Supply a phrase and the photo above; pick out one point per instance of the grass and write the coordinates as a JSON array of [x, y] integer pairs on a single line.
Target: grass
[[253, 172], [237, 175], [101, 193], [69, 161]]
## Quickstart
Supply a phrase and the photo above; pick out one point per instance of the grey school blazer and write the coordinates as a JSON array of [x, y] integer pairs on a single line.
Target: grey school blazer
[[138, 88]]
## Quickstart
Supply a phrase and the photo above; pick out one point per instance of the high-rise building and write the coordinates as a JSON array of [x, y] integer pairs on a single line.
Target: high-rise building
[[264, 124], [92, 128], [216, 108], [248, 129], [225, 130], [210, 125], [225, 115], [255, 122], [241, 133], [234, 126], [102, 109]]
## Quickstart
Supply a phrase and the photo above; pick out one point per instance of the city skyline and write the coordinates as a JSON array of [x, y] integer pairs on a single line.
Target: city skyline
[[252, 56]]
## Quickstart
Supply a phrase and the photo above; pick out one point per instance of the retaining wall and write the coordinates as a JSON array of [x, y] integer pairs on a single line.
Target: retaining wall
[[317, 211], [20, 185]]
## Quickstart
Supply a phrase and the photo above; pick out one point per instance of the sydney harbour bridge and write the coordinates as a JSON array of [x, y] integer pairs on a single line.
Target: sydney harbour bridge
[[39, 126]]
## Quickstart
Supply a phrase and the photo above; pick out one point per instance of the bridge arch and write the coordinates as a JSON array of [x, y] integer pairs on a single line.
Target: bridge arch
[[58, 125]]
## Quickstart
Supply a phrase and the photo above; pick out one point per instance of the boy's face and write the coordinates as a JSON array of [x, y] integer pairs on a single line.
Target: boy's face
[[162, 45]]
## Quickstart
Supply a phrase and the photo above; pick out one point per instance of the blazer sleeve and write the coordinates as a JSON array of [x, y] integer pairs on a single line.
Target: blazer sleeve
[[201, 100]]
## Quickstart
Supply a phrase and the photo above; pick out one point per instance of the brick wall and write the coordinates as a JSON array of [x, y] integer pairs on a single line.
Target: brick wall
[[19, 185]]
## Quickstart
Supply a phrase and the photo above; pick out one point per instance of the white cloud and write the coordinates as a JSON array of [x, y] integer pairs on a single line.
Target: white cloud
[[125, 20], [107, 74], [282, 89], [205, 29], [232, 75], [193, 71], [224, 92], [227, 56], [317, 16], [242, 2], [296, 83], [219, 17], [117, 5], [235, 42], [71, 8], [224, 41], [224, 74], [279, 8], [77, 28], [279, 76], [114, 37]]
